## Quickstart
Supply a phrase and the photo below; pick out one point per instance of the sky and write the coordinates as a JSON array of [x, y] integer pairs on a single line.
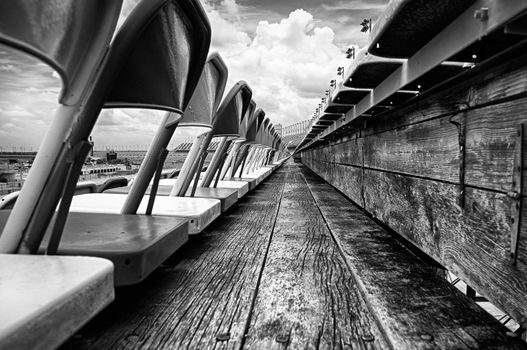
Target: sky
[[288, 51]]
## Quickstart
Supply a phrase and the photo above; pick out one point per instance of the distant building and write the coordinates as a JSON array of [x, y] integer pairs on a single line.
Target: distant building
[[295, 129], [92, 145], [111, 156]]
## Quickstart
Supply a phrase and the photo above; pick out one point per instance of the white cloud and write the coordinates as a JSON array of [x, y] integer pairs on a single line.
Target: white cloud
[[287, 61], [56, 75], [7, 67], [17, 112], [225, 35], [288, 64], [120, 127], [231, 7]]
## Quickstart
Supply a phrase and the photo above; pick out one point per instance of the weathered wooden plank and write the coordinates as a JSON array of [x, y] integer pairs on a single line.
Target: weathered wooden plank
[[348, 180], [417, 308], [431, 149], [489, 83], [428, 149], [313, 159], [202, 296], [349, 152], [307, 296], [492, 82], [415, 145], [471, 242], [490, 145]]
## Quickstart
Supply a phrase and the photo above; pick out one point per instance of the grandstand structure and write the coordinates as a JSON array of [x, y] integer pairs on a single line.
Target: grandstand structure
[[293, 134]]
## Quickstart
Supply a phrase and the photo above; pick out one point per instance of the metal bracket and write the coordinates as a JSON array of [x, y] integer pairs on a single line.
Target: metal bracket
[[516, 193], [461, 126], [482, 14], [435, 51], [517, 27]]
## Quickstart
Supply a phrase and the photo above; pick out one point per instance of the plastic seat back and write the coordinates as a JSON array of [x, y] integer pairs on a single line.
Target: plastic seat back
[[160, 52], [208, 93], [228, 119], [71, 36]]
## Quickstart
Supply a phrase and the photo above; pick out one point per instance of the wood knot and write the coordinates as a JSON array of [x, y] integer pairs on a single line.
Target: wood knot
[[132, 337], [368, 337], [426, 337], [223, 337]]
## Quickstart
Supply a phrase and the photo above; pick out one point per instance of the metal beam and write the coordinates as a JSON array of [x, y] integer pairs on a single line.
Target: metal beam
[[461, 33]]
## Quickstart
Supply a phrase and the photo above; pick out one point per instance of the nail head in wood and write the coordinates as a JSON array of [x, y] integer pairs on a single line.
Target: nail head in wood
[[283, 339]]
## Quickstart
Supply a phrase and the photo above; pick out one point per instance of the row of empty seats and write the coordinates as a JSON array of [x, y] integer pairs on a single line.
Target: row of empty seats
[[63, 245]]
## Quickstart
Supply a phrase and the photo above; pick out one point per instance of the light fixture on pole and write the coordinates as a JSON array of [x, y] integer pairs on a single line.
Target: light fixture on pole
[[350, 52]]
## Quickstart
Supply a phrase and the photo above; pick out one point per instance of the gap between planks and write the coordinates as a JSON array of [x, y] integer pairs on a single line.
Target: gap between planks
[[248, 321], [449, 320], [307, 297], [201, 295]]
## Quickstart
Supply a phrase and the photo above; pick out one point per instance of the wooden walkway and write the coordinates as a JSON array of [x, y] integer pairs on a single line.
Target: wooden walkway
[[269, 274]]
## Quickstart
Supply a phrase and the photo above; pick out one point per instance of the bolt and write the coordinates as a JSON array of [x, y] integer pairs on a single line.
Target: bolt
[[482, 14]]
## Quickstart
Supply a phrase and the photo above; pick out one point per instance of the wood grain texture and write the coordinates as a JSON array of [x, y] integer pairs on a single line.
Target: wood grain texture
[[202, 296], [487, 84], [417, 308], [491, 138], [430, 149], [472, 243], [412, 179], [307, 296], [349, 180], [349, 152]]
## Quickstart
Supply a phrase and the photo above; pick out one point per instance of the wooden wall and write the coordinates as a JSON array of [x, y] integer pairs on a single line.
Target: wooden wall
[[405, 168]]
